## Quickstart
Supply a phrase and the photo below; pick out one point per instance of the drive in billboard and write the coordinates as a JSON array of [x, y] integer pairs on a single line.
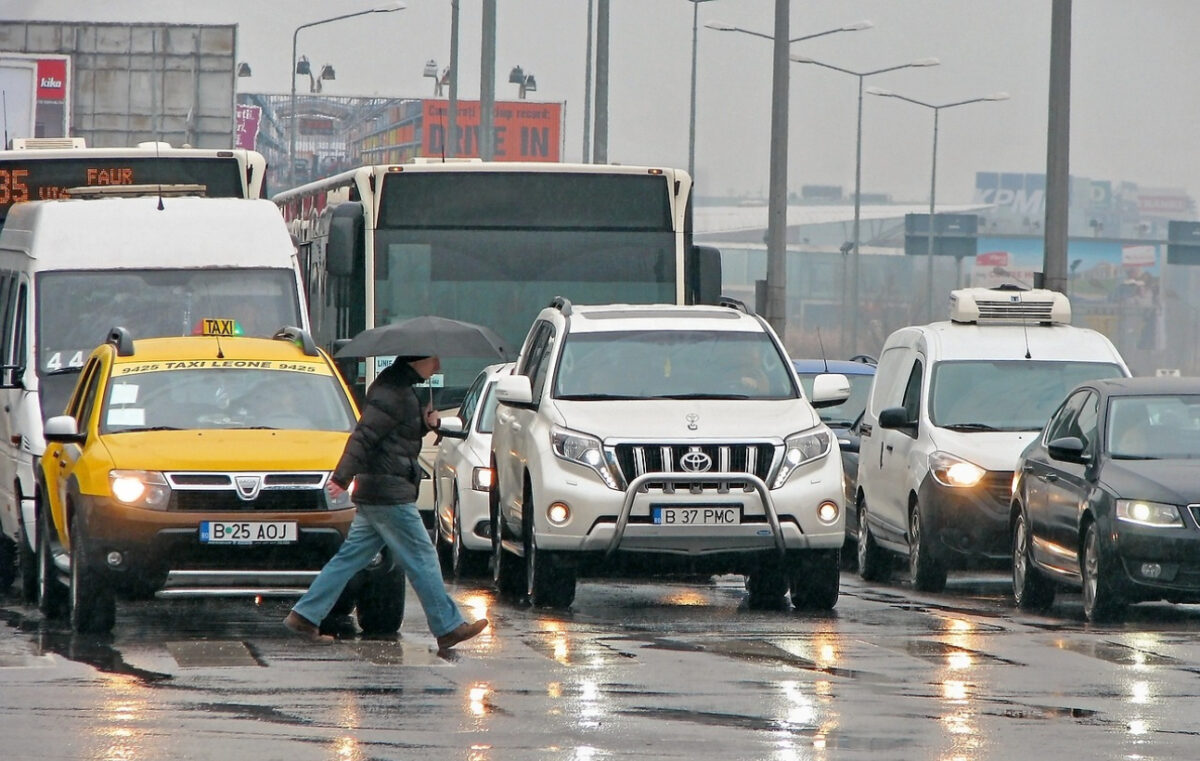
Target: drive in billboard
[[525, 131]]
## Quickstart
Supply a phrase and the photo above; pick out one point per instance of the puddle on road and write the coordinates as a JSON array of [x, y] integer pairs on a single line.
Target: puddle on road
[[711, 719], [1113, 652], [943, 652], [209, 654], [755, 650]]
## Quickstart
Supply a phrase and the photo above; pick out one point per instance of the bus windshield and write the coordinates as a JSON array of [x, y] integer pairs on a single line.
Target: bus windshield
[[494, 248], [77, 309]]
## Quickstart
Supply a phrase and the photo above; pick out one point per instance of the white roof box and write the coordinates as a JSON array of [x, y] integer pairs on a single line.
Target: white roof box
[[42, 143], [1009, 304]]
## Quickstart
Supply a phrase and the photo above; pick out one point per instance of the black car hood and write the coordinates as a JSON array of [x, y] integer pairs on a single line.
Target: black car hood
[[1173, 481]]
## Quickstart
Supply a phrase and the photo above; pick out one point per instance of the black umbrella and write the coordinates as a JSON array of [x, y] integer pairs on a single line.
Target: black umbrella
[[424, 337]]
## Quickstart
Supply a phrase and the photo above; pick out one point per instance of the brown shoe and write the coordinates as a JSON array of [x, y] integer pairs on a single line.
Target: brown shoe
[[463, 633], [302, 627]]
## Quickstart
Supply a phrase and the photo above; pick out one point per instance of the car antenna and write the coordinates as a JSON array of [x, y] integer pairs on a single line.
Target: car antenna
[[158, 171], [822, 345]]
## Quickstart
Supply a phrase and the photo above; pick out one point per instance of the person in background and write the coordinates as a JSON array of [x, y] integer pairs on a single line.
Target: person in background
[[381, 459]]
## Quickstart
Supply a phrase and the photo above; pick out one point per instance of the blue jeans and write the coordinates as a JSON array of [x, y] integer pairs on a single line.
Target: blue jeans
[[401, 529]]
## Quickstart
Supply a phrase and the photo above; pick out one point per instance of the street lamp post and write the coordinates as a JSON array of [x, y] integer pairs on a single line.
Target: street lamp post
[[776, 306], [388, 8], [855, 260], [936, 108], [692, 119]]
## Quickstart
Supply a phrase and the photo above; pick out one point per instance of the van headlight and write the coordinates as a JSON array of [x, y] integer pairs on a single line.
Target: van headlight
[[585, 450], [1143, 513], [140, 488], [801, 449], [950, 470]]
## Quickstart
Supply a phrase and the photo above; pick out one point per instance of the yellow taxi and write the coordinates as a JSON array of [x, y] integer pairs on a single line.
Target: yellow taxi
[[197, 466]]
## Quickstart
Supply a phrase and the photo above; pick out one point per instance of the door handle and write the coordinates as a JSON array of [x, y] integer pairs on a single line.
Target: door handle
[[1027, 468], [888, 447], [1051, 477]]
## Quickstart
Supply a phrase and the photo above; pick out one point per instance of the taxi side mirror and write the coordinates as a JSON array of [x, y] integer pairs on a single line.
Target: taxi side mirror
[[62, 429], [452, 427]]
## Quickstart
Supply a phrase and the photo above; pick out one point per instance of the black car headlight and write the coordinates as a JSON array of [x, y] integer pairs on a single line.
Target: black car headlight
[[1143, 513]]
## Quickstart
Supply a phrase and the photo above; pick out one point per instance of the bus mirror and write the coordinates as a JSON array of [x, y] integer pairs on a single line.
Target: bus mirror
[[12, 376], [345, 245], [704, 276]]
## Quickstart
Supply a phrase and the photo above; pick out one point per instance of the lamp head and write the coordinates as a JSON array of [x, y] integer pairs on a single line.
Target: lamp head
[[302, 66], [516, 76], [389, 7], [796, 57], [530, 83], [243, 69], [879, 91], [998, 96], [327, 73], [857, 26], [926, 62], [431, 68], [720, 26]]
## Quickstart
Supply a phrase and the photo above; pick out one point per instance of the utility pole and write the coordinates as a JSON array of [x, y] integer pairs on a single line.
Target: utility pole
[[487, 82], [600, 147], [587, 89], [777, 178], [1058, 149], [452, 138]]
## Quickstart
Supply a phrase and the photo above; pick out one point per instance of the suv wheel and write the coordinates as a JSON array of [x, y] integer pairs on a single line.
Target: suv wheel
[[926, 572], [1031, 590], [816, 581], [51, 597], [93, 607], [27, 562], [508, 572], [465, 562], [768, 583], [8, 563], [381, 599], [873, 561], [1102, 599]]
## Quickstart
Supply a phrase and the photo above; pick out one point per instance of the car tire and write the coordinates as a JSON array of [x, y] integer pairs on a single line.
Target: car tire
[[52, 596], [28, 565], [508, 572], [464, 562], [380, 603], [768, 583], [925, 570], [874, 564], [1031, 589], [93, 608], [816, 582], [8, 563], [1102, 595]]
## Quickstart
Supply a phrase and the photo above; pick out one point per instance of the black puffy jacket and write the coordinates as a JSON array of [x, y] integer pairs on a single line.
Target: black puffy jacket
[[381, 454]]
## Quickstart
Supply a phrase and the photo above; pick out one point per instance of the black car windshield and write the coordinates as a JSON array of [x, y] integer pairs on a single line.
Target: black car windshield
[[847, 412], [225, 398], [672, 364], [1010, 395], [1156, 426]]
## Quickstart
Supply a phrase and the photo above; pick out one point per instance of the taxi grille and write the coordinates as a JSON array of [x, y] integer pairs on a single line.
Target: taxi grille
[[226, 492], [998, 485], [638, 459]]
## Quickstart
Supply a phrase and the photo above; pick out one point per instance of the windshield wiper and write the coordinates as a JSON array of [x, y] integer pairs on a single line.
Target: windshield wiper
[[970, 427], [148, 428], [63, 371], [595, 397], [701, 396]]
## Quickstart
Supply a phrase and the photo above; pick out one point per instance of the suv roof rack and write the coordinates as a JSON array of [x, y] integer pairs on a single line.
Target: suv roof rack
[[299, 337], [562, 304], [732, 303], [122, 339]]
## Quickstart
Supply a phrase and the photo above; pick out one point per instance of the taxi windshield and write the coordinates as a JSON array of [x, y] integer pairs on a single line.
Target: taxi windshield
[[224, 397]]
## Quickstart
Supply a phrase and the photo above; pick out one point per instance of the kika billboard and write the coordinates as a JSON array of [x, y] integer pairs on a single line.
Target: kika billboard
[[523, 131]]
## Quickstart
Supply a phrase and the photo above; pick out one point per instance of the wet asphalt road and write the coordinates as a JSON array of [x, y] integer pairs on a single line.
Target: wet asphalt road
[[637, 669]]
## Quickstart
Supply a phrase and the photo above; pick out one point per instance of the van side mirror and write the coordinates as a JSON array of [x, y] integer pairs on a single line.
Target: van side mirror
[[830, 390], [1068, 449], [62, 429], [704, 275], [515, 391], [896, 418], [452, 427]]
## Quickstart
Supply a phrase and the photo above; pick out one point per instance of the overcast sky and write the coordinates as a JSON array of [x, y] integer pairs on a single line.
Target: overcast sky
[[1135, 103]]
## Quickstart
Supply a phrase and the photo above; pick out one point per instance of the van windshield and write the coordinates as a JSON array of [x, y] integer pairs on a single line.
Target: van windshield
[[672, 364], [1017, 395], [77, 309]]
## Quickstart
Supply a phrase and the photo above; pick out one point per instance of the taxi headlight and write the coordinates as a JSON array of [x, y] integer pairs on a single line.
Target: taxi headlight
[[1145, 513], [481, 479], [802, 449], [585, 450], [140, 488], [950, 470]]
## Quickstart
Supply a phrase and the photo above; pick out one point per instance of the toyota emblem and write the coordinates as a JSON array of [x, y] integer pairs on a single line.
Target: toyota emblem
[[693, 421], [695, 461]]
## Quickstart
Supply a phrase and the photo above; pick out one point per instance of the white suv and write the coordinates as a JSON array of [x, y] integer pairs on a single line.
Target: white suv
[[677, 436]]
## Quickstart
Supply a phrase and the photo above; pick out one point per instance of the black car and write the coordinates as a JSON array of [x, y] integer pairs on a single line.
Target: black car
[[1108, 498]]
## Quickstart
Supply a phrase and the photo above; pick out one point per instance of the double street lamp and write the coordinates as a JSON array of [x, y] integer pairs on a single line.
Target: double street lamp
[[294, 64], [936, 108], [776, 307], [854, 261], [692, 119]]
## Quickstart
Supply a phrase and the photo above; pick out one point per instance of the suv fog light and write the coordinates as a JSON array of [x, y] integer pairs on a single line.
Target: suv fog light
[[114, 559], [827, 512], [1151, 570], [558, 513]]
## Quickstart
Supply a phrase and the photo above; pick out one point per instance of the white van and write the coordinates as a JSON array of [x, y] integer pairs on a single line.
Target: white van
[[71, 270], [952, 406]]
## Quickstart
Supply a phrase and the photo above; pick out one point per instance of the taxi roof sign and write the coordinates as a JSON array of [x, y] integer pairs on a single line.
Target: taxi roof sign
[[212, 326]]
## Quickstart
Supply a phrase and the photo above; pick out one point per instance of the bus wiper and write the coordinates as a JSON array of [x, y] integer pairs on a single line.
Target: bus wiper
[[970, 427]]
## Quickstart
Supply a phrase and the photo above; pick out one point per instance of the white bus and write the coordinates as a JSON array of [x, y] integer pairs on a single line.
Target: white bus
[[45, 169], [491, 243]]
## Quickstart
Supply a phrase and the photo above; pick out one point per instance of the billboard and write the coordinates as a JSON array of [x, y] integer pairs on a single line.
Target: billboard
[[525, 130]]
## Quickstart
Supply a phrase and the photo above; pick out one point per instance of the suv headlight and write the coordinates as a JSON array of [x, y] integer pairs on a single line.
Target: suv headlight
[[801, 449], [140, 488], [1146, 513], [585, 450], [950, 470]]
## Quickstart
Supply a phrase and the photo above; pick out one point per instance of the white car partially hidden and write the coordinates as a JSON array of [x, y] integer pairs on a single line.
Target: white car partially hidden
[[463, 477]]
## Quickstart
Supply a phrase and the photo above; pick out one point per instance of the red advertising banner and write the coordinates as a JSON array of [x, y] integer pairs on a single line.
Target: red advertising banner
[[248, 118], [52, 78], [524, 131]]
